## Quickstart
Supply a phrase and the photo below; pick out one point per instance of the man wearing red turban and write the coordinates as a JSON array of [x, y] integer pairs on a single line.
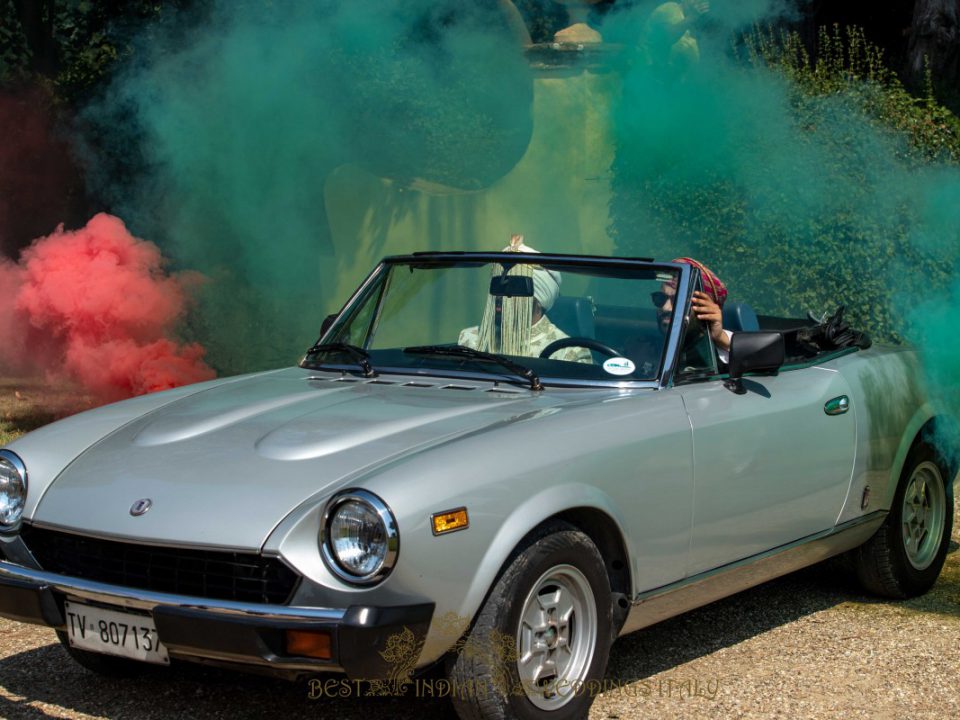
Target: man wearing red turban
[[706, 304]]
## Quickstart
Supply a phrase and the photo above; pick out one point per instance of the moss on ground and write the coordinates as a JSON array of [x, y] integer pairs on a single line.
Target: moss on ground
[[26, 404]]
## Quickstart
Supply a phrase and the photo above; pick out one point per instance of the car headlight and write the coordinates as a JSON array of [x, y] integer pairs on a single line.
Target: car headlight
[[358, 537], [13, 489]]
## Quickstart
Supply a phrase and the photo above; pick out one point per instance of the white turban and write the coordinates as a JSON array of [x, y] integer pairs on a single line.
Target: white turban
[[507, 331], [546, 283]]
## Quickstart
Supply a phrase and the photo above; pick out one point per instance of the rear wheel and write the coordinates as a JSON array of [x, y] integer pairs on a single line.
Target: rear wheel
[[542, 635], [905, 556]]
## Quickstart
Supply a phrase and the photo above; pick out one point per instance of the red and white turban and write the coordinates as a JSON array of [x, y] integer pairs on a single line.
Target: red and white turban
[[712, 285]]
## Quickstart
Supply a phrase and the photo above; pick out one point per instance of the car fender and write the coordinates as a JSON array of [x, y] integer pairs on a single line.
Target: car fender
[[524, 518], [891, 407], [924, 414], [455, 613]]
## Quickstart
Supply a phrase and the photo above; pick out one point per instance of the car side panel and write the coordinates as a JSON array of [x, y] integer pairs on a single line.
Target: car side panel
[[629, 457], [771, 466], [891, 409]]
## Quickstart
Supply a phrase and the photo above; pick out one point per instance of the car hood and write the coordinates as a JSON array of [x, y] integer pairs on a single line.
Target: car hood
[[224, 466]]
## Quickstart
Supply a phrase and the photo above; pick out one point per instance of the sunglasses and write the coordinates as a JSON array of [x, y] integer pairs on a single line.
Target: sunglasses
[[660, 298]]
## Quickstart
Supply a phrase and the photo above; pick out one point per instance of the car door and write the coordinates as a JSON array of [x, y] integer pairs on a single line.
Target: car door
[[648, 471], [770, 466]]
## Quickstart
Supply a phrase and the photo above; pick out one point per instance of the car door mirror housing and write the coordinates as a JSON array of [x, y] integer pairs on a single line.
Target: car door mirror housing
[[754, 352]]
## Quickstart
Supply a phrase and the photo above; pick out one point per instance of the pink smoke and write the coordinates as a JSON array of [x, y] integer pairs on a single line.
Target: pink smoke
[[95, 305]]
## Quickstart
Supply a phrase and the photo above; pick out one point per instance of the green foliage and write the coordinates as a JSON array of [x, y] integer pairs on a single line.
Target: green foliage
[[8, 433], [829, 196], [860, 245], [88, 38], [848, 64], [86, 51], [14, 53]]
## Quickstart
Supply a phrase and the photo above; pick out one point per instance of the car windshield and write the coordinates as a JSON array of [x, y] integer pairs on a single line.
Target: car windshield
[[517, 315]]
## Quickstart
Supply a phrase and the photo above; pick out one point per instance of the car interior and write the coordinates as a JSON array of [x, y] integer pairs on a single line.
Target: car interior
[[622, 327]]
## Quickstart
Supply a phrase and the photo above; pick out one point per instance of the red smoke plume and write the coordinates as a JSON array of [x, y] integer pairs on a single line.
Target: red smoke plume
[[95, 305]]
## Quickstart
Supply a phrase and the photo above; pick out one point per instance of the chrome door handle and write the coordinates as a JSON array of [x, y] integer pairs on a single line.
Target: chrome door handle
[[837, 406]]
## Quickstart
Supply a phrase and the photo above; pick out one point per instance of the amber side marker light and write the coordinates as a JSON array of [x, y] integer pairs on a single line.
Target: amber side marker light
[[309, 643], [449, 521]]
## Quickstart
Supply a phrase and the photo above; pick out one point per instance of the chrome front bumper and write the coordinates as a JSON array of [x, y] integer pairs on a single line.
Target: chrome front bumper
[[226, 632]]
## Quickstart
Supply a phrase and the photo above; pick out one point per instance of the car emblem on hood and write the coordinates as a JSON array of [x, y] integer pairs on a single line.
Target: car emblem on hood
[[140, 506]]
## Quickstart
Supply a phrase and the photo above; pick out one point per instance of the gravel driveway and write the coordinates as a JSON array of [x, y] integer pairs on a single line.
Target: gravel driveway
[[806, 646]]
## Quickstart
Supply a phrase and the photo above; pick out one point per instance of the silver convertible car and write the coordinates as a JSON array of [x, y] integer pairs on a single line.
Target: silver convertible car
[[491, 465]]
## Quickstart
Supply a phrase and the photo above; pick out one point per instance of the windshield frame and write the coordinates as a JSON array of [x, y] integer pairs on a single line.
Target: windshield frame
[[378, 280]]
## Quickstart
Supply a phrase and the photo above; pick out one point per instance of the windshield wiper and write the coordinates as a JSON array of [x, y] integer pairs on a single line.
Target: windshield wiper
[[471, 354], [359, 354]]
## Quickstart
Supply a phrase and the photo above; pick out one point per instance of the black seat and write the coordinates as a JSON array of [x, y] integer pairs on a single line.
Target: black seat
[[739, 317], [573, 315]]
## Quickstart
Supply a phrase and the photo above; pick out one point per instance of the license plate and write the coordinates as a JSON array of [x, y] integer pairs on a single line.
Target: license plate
[[114, 633]]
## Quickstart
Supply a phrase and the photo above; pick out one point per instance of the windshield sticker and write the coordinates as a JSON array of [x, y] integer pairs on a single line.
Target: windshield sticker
[[619, 366]]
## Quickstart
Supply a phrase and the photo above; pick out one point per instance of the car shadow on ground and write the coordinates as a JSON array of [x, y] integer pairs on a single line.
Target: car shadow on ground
[[729, 621], [33, 680], [753, 612]]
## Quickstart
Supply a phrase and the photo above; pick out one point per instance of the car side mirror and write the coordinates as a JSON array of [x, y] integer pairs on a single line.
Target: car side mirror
[[327, 322], [753, 352]]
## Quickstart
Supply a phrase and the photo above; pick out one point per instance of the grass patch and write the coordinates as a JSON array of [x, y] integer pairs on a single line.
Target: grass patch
[[28, 403]]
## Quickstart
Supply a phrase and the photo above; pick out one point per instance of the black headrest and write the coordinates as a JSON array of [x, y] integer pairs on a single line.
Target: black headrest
[[739, 317], [573, 315]]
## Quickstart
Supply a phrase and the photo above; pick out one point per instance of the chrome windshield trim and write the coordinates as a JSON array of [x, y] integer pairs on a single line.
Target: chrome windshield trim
[[488, 377], [464, 257], [369, 282], [569, 262], [147, 600], [677, 327]]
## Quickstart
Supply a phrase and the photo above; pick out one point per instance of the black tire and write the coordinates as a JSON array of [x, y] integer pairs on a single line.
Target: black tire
[[887, 564], [564, 565], [106, 665]]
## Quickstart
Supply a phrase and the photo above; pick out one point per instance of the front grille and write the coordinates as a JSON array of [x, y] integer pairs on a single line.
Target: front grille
[[212, 574]]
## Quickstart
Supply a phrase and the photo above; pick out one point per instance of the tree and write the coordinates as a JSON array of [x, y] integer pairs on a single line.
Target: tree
[[933, 56], [36, 21]]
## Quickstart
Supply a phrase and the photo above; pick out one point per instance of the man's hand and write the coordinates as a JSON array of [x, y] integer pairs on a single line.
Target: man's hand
[[708, 312]]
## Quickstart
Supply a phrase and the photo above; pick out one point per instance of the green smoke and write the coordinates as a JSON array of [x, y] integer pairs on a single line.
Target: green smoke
[[241, 119], [931, 313], [800, 201], [282, 149]]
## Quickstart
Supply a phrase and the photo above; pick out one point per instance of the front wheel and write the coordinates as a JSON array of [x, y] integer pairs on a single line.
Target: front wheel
[[904, 558], [543, 635]]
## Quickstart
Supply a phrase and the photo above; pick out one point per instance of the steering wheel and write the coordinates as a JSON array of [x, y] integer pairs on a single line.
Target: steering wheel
[[583, 342]]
